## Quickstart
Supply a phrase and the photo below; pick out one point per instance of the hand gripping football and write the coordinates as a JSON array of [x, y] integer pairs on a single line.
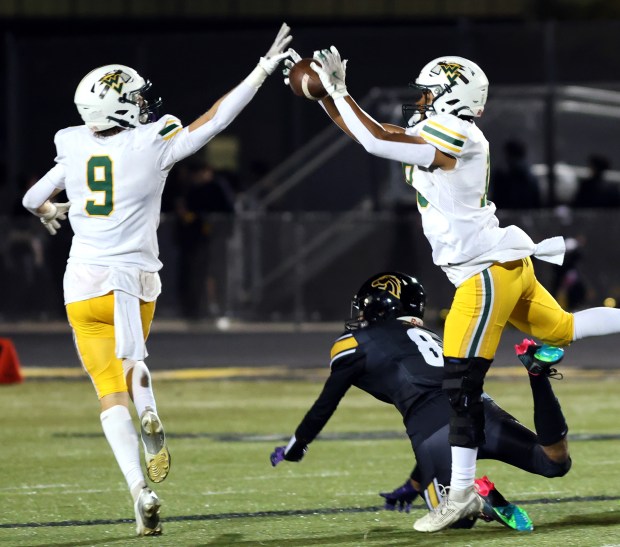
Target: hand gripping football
[[305, 82]]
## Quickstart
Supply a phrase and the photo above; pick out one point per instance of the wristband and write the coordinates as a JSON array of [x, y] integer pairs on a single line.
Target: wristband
[[256, 78]]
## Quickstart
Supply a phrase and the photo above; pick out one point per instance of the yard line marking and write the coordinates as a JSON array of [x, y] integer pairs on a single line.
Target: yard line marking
[[285, 372], [226, 437], [287, 513]]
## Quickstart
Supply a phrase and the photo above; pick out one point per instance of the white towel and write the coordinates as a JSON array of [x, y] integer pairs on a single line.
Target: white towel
[[128, 327], [551, 250]]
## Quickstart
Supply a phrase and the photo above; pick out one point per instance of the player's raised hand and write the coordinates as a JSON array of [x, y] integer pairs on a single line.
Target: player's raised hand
[[289, 63], [332, 71], [51, 219], [277, 50]]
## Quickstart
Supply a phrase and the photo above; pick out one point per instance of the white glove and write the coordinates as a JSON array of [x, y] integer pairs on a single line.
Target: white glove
[[290, 63], [57, 212], [276, 52], [332, 71]]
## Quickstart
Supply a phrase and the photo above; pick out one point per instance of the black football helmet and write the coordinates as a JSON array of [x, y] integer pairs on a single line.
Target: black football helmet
[[388, 295]]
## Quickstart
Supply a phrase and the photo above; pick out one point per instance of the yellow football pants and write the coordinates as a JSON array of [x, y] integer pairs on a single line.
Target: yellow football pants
[[503, 293], [93, 332]]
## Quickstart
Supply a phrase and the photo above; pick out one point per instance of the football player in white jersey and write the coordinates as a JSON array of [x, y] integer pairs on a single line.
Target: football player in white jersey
[[445, 158], [113, 169]]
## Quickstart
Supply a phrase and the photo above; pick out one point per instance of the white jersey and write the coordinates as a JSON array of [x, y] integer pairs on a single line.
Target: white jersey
[[458, 220], [115, 186]]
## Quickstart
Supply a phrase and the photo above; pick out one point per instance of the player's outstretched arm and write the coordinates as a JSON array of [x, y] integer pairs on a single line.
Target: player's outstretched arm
[[228, 107], [383, 140]]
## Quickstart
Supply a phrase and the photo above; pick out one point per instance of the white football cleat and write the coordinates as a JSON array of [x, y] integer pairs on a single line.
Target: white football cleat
[[457, 505], [147, 513], [156, 454]]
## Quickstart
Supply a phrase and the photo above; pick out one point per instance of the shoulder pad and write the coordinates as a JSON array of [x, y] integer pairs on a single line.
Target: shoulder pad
[[445, 132], [168, 126], [345, 345]]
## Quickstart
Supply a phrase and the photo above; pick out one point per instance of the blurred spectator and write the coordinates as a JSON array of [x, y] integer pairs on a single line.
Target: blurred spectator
[[206, 192], [31, 263], [568, 286], [514, 186], [594, 190]]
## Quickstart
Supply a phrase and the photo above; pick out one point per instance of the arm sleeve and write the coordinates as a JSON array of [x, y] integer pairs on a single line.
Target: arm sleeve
[[335, 388], [41, 190], [410, 153], [189, 142]]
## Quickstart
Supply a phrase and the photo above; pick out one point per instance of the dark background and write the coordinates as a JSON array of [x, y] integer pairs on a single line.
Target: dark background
[[194, 52], [277, 263]]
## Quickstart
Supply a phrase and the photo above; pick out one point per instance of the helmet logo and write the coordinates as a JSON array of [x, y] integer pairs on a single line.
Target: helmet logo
[[388, 283], [452, 71], [113, 80]]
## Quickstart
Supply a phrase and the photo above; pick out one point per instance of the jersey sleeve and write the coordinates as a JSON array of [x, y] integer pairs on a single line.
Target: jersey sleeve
[[345, 368], [445, 133], [186, 143], [166, 133], [41, 190], [345, 345], [51, 182]]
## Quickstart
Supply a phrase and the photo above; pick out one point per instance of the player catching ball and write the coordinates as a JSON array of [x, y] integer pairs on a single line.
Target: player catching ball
[[445, 157]]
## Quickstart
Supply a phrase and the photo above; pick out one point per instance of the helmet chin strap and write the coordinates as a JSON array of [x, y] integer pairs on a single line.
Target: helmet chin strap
[[355, 324], [123, 123]]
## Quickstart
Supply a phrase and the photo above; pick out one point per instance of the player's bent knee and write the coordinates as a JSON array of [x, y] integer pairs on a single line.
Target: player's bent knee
[[552, 468], [464, 380]]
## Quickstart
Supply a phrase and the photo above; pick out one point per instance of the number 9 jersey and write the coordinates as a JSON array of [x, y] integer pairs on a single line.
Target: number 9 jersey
[[115, 185]]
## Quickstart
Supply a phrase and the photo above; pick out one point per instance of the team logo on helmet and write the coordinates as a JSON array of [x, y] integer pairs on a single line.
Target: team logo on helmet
[[388, 283], [452, 71], [114, 80]]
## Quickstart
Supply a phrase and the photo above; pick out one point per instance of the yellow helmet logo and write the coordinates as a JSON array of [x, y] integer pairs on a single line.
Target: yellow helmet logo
[[114, 80], [388, 283], [452, 71]]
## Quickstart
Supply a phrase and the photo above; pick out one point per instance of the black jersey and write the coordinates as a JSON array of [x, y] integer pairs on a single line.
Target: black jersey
[[396, 361]]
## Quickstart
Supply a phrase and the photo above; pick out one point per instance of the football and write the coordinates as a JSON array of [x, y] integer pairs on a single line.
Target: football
[[305, 82]]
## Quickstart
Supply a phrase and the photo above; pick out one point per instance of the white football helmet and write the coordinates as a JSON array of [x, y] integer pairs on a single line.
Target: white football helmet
[[113, 96], [458, 85]]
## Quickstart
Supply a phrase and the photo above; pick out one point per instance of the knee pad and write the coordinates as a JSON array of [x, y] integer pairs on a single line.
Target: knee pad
[[463, 383]]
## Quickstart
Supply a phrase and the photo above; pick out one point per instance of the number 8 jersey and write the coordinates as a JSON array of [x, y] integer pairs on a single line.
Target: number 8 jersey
[[396, 361]]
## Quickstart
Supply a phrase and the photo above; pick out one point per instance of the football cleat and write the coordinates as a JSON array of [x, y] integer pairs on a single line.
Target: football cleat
[[497, 508], [147, 513], [156, 453], [539, 359], [457, 505]]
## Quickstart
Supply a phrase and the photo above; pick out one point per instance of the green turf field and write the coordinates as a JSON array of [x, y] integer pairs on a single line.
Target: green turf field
[[61, 487]]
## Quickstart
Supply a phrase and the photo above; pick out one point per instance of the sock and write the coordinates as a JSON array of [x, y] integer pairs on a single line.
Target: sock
[[463, 467], [141, 385], [123, 439], [596, 322], [549, 420]]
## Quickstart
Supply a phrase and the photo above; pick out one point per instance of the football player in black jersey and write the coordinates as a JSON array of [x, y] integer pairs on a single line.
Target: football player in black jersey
[[387, 352]]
